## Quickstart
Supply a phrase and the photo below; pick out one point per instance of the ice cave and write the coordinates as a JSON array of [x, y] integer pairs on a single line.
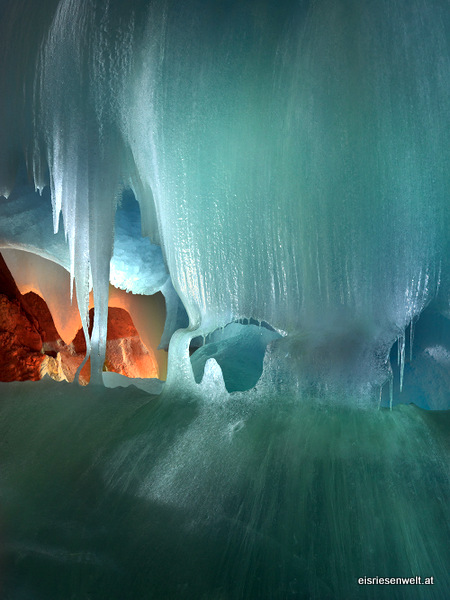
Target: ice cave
[[224, 299]]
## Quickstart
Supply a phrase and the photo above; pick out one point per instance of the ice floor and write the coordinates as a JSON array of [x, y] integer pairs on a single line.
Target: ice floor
[[112, 494]]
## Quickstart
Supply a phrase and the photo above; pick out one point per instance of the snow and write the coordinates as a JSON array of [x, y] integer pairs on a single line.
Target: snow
[[137, 265]]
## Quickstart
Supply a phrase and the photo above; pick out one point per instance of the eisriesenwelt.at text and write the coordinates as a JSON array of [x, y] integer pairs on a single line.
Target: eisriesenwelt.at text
[[417, 580]]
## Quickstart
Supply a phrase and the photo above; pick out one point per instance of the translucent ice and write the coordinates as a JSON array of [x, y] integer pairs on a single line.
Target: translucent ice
[[289, 160]]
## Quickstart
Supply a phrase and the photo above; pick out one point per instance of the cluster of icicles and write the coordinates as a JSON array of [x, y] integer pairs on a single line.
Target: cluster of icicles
[[290, 160]]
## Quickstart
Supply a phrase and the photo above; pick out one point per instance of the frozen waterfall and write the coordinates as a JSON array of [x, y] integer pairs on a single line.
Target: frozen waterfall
[[290, 160]]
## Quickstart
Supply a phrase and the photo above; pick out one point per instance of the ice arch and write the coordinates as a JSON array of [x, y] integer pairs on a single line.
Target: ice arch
[[39, 261], [239, 351]]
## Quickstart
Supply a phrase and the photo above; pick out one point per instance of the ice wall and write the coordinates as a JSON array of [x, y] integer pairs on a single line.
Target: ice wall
[[298, 161], [290, 158]]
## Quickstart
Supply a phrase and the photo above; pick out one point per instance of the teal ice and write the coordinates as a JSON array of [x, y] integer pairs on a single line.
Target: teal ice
[[280, 171]]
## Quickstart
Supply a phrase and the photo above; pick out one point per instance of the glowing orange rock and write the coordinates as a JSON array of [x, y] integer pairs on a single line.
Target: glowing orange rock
[[125, 352], [20, 344], [31, 346]]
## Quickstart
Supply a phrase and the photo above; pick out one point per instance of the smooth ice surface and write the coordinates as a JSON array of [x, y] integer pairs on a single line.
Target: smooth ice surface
[[114, 380], [115, 495]]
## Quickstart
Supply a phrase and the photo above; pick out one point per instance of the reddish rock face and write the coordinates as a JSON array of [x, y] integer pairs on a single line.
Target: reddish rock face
[[15, 322], [21, 354], [37, 307], [20, 344], [125, 352], [30, 346]]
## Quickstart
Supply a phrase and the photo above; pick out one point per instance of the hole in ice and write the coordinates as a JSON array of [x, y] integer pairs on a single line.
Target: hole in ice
[[137, 266], [125, 352], [238, 349], [148, 314], [35, 302]]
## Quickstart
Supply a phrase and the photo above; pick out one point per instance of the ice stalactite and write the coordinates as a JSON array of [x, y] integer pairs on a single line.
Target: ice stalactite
[[304, 222], [77, 124], [289, 159]]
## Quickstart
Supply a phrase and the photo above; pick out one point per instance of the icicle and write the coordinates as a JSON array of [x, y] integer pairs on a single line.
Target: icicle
[[391, 387], [401, 342], [411, 339]]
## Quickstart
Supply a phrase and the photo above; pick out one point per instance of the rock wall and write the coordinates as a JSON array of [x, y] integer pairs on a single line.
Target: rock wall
[[31, 347]]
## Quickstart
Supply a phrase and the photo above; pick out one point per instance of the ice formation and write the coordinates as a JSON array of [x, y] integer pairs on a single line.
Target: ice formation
[[286, 171], [278, 170]]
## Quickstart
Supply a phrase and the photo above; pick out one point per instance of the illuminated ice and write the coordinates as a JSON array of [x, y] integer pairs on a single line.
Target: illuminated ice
[[290, 160]]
